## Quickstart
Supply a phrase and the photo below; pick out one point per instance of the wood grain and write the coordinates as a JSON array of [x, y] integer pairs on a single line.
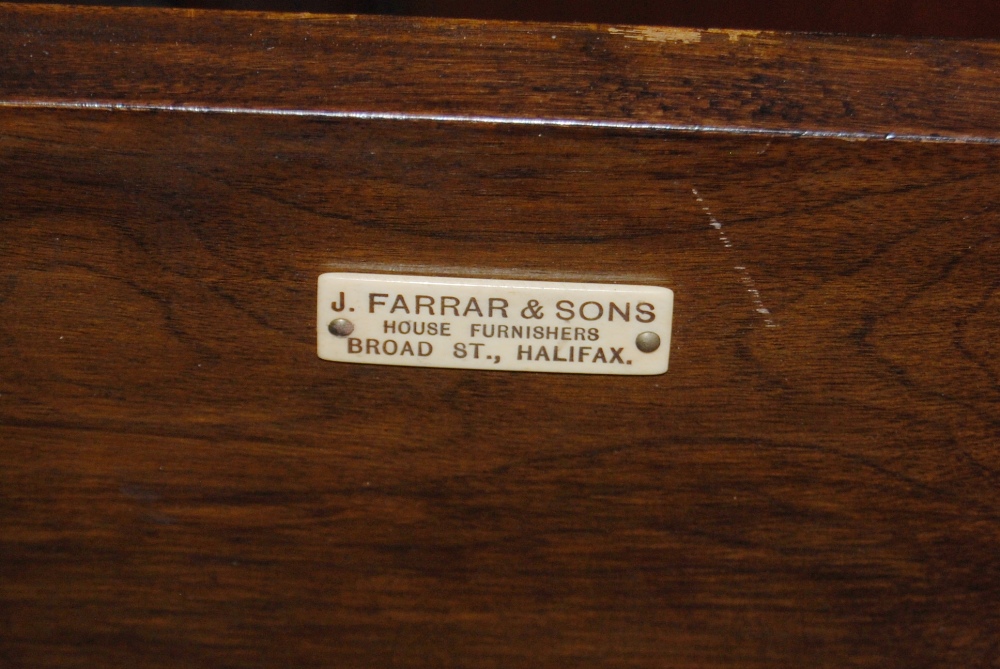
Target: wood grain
[[186, 484]]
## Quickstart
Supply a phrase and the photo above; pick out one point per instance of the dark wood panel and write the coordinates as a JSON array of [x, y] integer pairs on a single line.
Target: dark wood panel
[[184, 468], [813, 482]]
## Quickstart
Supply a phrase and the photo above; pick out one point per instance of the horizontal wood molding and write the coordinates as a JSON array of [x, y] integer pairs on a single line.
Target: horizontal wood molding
[[682, 78]]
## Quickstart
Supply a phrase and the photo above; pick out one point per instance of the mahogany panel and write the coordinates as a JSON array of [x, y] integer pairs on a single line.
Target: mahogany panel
[[814, 481]]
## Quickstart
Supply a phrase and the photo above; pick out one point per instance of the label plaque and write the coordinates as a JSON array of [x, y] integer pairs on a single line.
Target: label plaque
[[516, 326]]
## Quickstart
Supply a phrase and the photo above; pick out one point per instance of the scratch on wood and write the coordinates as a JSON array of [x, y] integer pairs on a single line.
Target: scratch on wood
[[745, 278], [734, 35], [679, 35], [649, 34]]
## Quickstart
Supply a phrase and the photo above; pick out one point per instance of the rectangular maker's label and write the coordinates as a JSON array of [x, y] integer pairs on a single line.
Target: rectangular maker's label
[[522, 326]]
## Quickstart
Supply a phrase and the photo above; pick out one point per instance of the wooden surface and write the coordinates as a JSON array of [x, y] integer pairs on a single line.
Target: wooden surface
[[184, 483]]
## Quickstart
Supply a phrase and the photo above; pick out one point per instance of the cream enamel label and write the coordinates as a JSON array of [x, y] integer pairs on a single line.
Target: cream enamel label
[[517, 326]]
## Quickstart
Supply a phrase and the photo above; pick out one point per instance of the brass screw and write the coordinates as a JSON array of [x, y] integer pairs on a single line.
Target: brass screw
[[647, 342], [341, 327]]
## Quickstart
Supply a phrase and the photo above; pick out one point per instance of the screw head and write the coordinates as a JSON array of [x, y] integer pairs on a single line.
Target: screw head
[[341, 327], [647, 342]]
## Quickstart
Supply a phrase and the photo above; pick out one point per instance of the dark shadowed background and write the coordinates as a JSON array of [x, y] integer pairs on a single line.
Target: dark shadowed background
[[928, 18]]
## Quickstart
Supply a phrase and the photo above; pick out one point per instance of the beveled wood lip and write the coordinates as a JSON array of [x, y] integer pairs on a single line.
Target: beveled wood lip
[[383, 68]]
